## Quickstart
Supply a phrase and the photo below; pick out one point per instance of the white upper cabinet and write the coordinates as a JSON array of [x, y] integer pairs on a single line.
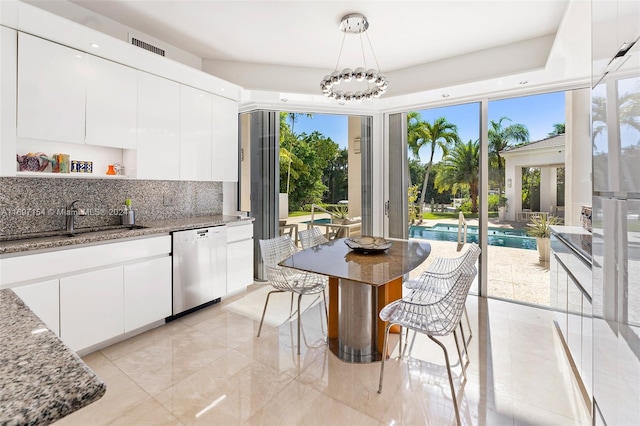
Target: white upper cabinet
[[51, 91], [112, 104], [225, 140], [195, 134], [158, 155]]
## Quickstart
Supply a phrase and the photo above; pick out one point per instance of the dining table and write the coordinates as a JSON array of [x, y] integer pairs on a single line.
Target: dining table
[[360, 284]]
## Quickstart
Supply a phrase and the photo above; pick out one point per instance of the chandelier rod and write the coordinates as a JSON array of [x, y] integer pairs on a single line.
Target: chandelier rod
[[340, 54], [373, 53]]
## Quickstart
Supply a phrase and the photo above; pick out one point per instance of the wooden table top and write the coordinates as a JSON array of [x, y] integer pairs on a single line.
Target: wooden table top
[[335, 259]]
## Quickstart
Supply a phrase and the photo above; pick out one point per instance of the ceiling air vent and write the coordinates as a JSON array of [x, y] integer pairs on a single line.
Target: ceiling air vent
[[147, 46]]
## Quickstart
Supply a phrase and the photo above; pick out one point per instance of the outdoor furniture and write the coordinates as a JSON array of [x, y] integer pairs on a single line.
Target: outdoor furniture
[[284, 279], [525, 215], [434, 310], [290, 229], [312, 237], [338, 230]]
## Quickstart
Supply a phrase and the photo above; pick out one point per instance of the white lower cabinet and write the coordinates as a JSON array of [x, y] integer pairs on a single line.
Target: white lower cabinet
[[91, 307], [147, 292], [239, 257], [43, 299], [239, 265]]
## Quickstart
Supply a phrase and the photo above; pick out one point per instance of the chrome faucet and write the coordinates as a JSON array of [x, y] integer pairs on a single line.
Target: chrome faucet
[[71, 212]]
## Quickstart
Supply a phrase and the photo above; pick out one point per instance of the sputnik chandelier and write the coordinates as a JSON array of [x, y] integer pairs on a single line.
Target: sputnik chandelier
[[340, 85]]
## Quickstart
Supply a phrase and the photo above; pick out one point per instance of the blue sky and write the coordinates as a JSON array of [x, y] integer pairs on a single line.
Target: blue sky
[[538, 112]]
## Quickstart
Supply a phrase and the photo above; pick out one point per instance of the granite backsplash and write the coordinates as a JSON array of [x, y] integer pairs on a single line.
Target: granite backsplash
[[31, 205]]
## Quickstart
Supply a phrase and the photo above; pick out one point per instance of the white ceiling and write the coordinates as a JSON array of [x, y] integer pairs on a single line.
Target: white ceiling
[[306, 34], [290, 45]]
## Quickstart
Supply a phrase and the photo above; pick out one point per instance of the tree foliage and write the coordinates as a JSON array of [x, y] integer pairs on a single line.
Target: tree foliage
[[500, 138], [460, 170], [304, 160], [440, 134]]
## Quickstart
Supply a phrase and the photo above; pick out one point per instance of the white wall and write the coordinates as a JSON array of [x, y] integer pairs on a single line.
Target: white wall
[[355, 168], [578, 154]]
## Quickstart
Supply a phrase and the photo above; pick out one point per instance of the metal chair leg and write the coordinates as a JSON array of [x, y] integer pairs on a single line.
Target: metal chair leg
[[466, 314], [299, 298], [264, 311], [291, 306], [455, 337], [384, 355], [453, 392]]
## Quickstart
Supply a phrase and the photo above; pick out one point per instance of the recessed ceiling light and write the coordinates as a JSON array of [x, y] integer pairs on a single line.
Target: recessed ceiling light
[[79, 56], [94, 45], [222, 89], [284, 100], [340, 103], [445, 95], [524, 82]]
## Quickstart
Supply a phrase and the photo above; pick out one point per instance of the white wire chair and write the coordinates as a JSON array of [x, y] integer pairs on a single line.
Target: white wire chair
[[443, 265], [312, 237], [435, 310], [274, 251]]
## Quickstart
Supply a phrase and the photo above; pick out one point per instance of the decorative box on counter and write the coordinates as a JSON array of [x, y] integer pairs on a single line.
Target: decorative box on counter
[[81, 166]]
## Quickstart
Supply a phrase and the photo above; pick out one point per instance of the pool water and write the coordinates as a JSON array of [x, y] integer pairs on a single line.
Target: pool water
[[322, 220], [504, 237]]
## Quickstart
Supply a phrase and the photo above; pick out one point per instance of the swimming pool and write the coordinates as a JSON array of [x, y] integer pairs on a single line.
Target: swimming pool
[[504, 237], [322, 220]]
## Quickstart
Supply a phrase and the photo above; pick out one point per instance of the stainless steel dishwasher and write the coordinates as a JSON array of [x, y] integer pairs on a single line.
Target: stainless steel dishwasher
[[199, 267]]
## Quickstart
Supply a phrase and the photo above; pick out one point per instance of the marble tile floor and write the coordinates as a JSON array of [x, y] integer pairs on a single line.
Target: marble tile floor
[[210, 368]]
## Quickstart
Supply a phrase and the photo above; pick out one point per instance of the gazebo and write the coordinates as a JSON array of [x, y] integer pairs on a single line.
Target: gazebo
[[548, 155]]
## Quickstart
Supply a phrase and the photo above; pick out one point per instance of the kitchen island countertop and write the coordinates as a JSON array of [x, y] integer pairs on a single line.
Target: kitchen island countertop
[[41, 380], [59, 239]]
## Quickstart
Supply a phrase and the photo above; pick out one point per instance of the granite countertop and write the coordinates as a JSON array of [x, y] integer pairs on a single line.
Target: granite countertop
[[29, 242], [41, 380], [577, 238]]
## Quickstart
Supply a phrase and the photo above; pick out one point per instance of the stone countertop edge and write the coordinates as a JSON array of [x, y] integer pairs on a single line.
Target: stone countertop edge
[[150, 228], [568, 234], [41, 380]]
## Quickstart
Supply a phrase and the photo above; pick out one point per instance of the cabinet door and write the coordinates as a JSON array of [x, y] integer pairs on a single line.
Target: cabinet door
[[239, 265], [574, 322], [51, 91], [112, 104], [561, 313], [91, 307], [147, 292], [195, 134], [158, 155], [225, 140], [43, 299]]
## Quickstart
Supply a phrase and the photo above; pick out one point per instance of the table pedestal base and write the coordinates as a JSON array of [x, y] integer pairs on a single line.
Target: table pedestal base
[[355, 332]]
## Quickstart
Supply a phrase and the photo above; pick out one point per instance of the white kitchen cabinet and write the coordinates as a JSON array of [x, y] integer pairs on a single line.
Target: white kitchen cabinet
[[147, 292], [91, 307], [158, 153], [112, 104], [195, 134], [225, 140], [43, 299], [51, 91], [239, 257]]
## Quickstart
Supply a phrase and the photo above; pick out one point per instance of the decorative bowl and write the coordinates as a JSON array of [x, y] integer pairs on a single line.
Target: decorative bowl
[[366, 244]]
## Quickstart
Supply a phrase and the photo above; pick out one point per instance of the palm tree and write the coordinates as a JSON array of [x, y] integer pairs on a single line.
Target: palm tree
[[558, 129], [459, 170], [439, 134], [501, 138]]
